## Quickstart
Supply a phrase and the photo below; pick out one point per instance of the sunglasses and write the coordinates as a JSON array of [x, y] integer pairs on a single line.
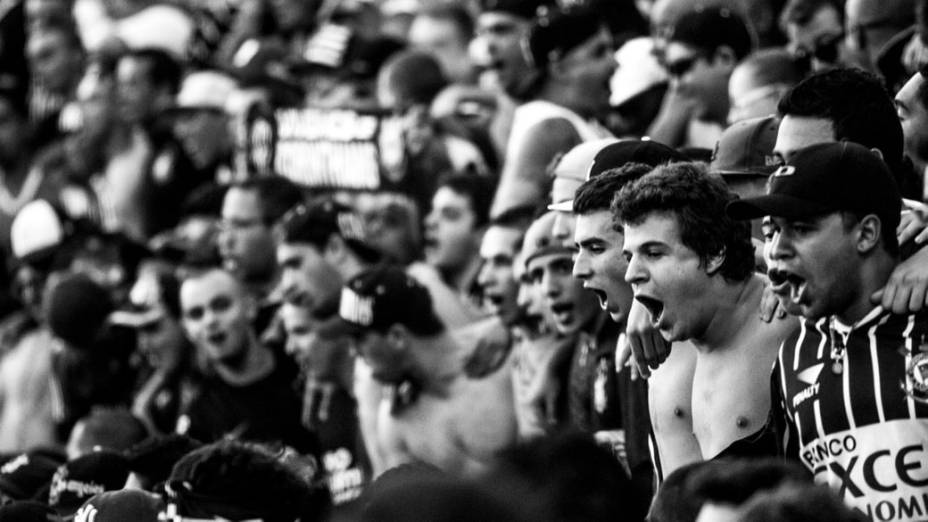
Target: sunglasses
[[824, 50]]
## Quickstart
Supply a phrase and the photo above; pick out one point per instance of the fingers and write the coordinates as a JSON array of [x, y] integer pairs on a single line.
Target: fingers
[[877, 297], [917, 297], [768, 305], [660, 348]]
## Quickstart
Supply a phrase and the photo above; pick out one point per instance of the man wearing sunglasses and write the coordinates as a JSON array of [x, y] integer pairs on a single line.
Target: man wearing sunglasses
[[815, 29], [703, 48]]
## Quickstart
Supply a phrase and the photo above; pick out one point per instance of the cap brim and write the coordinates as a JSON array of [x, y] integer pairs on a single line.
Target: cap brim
[[779, 205], [562, 206], [135, 319]]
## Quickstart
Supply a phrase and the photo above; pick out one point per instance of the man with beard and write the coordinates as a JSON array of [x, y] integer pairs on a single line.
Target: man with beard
[[247, 391], [852, 377], [433, 410], [692, 268]]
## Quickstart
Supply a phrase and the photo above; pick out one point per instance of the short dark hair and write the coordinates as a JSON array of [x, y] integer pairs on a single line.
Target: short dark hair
[[698, 200], [795, 503], [596, 194], [277, 195], [237, 480], [858, 105], [476, 188], [734, 481], [165, 69]]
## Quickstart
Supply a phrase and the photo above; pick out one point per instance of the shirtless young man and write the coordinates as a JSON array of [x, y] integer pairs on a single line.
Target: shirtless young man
[[600, 265], [692, 267], [432, 411]]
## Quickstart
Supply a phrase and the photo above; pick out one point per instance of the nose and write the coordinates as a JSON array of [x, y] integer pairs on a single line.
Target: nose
[[550, 285], [431, 219], [635, 273], [581, 269], [484, 276], [780, 247]]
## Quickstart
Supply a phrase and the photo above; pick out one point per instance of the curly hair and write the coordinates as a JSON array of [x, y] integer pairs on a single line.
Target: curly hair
[[698, 201]]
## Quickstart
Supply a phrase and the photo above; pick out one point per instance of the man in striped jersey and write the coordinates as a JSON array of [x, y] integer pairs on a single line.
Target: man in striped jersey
[[853, 380]]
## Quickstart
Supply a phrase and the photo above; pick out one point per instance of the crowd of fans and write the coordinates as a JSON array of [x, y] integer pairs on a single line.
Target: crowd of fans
[[564, 260]]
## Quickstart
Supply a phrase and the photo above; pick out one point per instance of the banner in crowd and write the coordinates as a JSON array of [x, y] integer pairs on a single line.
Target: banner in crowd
[[332, 148]]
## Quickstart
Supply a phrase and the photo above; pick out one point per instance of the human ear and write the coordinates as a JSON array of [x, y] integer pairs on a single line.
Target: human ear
[[868, 233]]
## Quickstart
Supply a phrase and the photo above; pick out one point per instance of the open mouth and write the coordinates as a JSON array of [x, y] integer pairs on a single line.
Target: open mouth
[[601, 295], [494, 300], [797, 287], [562, 312], [654, 306], [216, 337]]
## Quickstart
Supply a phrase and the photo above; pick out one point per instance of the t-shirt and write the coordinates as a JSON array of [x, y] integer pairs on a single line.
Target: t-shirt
[[853, 399], [267, 410]]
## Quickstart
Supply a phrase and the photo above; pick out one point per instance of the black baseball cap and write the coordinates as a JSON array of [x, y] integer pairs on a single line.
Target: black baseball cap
[[379, 298], [314, 222], [620, 153], [826, 178], [522, 8]]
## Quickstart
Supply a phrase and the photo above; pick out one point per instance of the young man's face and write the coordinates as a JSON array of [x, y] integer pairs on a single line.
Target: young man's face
[[667, 277], [570, 306], [137, 91], [822, 35], [814, 258], [245, 240], [590, 66], [496, 278], [501, 33], [217, 316], [306, 278], [697, 74], [797, 132], [600, 264], [451, 235], [316, 355], [914, 118]]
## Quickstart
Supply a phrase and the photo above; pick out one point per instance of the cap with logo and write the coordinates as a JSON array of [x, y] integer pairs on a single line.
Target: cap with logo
[[25, 475], [826, 178], [746, 148], [382, 297], [77, 480], [315, 222], [120, 506]]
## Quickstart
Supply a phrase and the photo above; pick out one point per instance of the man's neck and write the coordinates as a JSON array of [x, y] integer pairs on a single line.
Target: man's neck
[[873, 274], [734, 304], [258, 363]]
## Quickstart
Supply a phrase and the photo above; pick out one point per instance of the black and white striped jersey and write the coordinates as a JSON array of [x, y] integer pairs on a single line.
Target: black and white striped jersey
[[855, 404]]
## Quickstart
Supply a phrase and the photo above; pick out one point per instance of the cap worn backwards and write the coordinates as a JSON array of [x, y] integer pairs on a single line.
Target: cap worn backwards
[[382, 297]]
